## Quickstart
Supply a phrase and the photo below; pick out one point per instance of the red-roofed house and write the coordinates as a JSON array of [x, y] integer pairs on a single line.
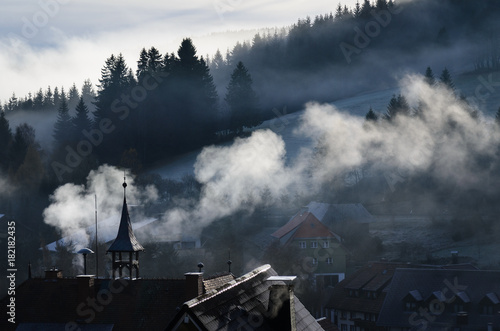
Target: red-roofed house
[[316, 242]]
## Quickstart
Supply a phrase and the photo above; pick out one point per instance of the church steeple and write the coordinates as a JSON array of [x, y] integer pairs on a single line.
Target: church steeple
[[125, 242]]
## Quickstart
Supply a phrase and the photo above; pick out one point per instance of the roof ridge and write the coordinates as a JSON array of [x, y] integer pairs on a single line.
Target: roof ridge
[[193, 302]]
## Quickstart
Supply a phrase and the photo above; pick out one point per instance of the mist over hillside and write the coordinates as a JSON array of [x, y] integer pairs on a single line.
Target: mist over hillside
[[349, 88]]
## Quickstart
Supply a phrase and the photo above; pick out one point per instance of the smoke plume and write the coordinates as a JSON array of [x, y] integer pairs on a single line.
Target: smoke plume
[[72, 206], [442, 139]]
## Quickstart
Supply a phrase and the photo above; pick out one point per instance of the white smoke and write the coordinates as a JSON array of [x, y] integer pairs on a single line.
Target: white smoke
[[72, 206], [442, 141]]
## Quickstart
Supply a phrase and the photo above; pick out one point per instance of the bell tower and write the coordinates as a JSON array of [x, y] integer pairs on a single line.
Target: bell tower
[[125, 249]]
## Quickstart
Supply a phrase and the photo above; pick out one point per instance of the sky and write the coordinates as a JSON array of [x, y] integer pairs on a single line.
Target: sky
[[61, 42]]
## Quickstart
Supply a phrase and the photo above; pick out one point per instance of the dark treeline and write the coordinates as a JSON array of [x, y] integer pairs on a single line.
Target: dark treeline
[[177, 102]]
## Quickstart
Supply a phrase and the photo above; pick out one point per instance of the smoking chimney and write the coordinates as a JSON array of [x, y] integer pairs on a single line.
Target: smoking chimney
[[281, 303]]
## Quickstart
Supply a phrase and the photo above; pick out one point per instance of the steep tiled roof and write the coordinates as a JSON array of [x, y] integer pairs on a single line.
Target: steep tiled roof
[[125, 240], [374, 277], [304, 225], [243, 303], [145, 304], [354, 212], [290, 226], [475, 285], [216, 281]]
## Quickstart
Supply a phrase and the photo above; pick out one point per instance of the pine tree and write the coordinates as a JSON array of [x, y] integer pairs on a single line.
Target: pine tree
[[397, 106], [381, 4], [48, 99], [81, 122], [242, 100], [218, 61], [24, 137], [13, 103], [338, 12], [73, 96], [446, 80], [5, 141], [63, 126], [142, 64], [88, 93], [38, 101], [429, 77], [366, 10], [371, 115], [57, 98], [357, 10]]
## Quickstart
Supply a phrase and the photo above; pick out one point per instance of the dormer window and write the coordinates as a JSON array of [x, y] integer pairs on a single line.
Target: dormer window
[[412, 300], [461, 302], [489, 304]]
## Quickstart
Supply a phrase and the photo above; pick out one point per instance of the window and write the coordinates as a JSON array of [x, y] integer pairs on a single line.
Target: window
[[410, 306], [314, 261], [488, 310], [329, 260], [352, 328], [326, 244], [458, 307], [343, 327], [302, 244], [314, 244]]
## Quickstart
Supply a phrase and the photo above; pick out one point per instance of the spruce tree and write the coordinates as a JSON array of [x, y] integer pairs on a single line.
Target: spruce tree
[[242, 100], [73, 96], [371, 115], [446, 80], [63, 126], [5, 141], [397, 106], [357, 10], [81, 122], [429, 76]]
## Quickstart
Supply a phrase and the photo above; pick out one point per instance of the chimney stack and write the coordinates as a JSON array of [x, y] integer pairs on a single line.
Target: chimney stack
[[282, 304], [194, 284], [85, 287], [53, 273], [462, 318], [454, 257]]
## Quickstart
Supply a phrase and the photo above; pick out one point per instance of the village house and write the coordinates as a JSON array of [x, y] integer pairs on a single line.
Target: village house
[[320, 246], [442, 299], [125, 300], [356, 303]]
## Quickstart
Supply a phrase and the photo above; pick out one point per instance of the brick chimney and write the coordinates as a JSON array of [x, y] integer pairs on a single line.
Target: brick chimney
[[85, 287], [194, 284], [281, 311], [53, 273]]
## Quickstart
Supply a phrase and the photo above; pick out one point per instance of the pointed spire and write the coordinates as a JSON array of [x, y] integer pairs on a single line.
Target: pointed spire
[[125, 240]]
